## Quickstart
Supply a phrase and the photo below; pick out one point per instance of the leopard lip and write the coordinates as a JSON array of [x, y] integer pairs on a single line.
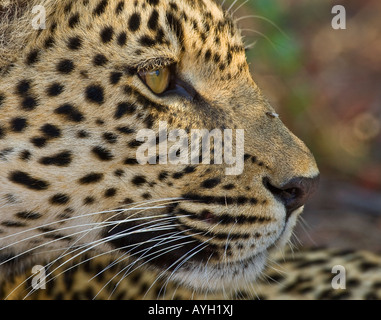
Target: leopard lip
[[169, 257], [136, 243]]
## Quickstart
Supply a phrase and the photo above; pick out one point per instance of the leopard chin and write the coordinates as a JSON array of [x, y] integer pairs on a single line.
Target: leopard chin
[[234, 276]]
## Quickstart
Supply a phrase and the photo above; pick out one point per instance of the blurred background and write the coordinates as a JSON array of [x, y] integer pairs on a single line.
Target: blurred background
[[326, 85]]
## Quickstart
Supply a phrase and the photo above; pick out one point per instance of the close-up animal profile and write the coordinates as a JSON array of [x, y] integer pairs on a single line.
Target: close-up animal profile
[[86, 89]]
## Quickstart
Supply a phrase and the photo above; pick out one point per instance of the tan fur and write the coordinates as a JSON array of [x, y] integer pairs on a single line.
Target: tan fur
[[58, 97]]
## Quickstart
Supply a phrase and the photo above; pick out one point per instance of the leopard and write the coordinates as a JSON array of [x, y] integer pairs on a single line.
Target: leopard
[[80, 82]]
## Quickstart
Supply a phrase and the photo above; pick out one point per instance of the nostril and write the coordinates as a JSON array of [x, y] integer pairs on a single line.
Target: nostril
[[293, 194], [286, 195]]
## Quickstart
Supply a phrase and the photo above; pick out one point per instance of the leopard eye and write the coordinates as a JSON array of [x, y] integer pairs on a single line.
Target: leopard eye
[[157, 80]]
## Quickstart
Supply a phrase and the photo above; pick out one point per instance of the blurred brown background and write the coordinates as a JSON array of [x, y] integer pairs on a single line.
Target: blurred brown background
[[326, 85]]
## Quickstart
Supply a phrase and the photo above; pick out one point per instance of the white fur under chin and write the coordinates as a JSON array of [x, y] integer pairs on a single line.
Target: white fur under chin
[[233, 276], [224, 277]]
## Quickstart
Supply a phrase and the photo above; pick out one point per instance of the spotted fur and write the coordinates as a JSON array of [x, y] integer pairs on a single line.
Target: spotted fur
[[71, 103]]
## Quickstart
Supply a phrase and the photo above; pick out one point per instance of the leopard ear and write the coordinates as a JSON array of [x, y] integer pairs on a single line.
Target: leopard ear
[[15, 28]]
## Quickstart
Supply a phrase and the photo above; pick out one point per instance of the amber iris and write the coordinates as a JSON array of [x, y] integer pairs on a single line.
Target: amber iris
[[157, 80]]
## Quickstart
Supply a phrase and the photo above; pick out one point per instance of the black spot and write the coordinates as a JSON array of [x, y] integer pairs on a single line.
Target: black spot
[[102, 153], [94, 93], [176, 27], [100, 122], [106, 34], [83, 134], [29, 103], [25, 155], [119, 173], [49, 42], [32, 57], [146, 196], [18, 124], [163, 175], [122, 39], [23, 87], [74, 20], [12, 224], [100, 60], [174, 6], [61, 159], [68, 7], [2, 132], [110, 192], [368, 266], [28, 181], [208, 55], [210, 183], [119, 7], [189, 169], [2, 98], [71, 112], [91, 178], [100, 8], [54, 89], [153, 20], [51, 131], [39, 142], [125, 130], [305, 264], [153, 2], [74, 43], [131, 161], [28, 215], [147, 41], [59, 199], [139, 180], [352, 283], [135, 144], [160, 36], [65, 66], [53, 27], [177, 175], [110, 137], [88, 200], [124, 108], [134, 22], [115, 77], [229, 187], [220, 200]]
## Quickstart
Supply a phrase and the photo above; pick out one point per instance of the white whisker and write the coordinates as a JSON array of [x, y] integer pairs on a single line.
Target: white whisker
[[265, 19], [239, 7]]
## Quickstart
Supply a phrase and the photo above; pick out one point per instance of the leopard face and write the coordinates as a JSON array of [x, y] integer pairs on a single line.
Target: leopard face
[[73, 98]]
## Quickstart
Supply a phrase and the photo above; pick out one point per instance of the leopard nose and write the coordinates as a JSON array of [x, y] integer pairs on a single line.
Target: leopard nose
[[294, 193]]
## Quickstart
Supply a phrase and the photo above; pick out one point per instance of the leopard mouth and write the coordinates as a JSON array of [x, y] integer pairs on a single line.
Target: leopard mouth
[[181, 256], [163, 248], [234, 275], [190, 263]]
